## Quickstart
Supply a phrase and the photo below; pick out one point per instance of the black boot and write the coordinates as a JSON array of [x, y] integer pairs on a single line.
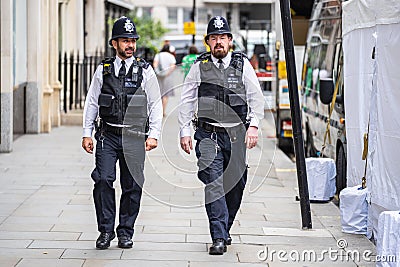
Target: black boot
[[125, 242], [104, 240], [218, 247]]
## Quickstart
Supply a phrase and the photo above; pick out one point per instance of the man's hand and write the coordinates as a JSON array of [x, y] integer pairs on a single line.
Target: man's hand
[[186, 144], [87, 144], [151, 143], [251, 137]]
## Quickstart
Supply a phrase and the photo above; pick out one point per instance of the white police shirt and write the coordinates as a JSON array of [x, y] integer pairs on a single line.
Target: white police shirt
[[149, 84], [188, 103]]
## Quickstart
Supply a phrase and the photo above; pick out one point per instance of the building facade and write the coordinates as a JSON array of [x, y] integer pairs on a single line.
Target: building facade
[[246, 17], [29, 85], [34, 33]]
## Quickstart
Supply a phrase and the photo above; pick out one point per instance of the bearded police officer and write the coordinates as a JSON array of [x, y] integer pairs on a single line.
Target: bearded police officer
[[125, 95], [223, 87]]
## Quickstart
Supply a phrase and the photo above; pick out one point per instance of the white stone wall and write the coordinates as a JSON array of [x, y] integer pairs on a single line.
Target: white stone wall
[[20, 35], [72, 26], [53, 63], [34, 71], [29, 58], [94, 26], [6, 78]]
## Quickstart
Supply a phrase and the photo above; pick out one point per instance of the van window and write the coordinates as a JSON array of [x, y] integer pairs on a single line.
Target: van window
[[323, 36]]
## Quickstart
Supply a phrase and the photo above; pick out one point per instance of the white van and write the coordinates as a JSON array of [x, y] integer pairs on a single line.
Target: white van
[[321, 67]]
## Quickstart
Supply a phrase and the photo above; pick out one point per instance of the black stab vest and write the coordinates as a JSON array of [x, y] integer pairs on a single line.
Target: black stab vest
[[122, 100], [222, 95]]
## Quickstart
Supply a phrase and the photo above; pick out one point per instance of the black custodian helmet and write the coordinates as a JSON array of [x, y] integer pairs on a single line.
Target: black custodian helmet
[[218, 25], [123, 28]]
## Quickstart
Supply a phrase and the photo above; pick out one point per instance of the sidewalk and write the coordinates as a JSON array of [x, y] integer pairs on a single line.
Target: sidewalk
[[47, 214]]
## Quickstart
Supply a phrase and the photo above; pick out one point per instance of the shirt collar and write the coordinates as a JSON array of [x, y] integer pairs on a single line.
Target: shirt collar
[[225, 60], [128, 62]]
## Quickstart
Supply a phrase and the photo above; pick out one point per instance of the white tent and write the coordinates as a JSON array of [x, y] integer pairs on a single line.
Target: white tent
[[372, 96]]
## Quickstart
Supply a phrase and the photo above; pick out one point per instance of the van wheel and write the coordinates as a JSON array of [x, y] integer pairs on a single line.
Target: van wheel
[[341, 170]]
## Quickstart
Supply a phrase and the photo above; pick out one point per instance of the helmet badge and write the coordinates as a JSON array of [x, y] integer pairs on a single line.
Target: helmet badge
[[129, 26], [218, 23]]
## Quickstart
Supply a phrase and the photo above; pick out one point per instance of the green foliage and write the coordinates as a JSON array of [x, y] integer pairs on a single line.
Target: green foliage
[[150, 31]]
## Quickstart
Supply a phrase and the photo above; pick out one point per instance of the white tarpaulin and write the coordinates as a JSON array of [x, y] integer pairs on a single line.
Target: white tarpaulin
[[321, 174], [388, 241], [354, 210], [372, 93]]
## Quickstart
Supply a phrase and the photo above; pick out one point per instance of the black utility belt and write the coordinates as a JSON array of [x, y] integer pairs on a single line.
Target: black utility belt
[[122, 130], [217, 129], [112, 129]]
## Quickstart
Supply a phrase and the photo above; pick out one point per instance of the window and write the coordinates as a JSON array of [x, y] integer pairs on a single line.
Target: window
[[146, 12], [172, 15], [202, 16]]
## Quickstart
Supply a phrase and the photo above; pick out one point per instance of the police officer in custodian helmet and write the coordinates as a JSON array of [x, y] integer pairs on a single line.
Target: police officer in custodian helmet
[[124, 104], [222, 86]]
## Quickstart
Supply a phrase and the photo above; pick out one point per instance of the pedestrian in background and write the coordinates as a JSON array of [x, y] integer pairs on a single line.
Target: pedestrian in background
[[164, 63], [254, 62], [223, 87], [124, 93], [189, 59]]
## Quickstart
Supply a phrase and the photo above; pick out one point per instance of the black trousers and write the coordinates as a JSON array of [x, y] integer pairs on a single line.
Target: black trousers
[[130, 153], [223, 170]]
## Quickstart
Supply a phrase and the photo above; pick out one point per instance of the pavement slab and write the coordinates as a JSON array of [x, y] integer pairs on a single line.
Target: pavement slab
[[50, 262]]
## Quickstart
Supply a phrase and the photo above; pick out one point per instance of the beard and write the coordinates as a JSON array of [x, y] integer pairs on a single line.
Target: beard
[[124, 53], [219, 54]]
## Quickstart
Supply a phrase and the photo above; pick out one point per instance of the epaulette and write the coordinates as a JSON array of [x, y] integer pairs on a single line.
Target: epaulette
[[142, 63], [108, 60], [237, 61], [204, 57], [239, 54], [107, 65]]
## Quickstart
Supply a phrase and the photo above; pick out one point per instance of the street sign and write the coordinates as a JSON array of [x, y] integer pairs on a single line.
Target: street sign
[[282, 70], [189, 28]]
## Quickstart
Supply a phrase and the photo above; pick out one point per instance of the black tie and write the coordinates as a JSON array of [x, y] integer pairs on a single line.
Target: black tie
[[221, 65], [122, 70]]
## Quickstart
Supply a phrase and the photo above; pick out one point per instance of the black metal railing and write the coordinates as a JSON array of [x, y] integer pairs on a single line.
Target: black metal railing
[[75, 72]]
